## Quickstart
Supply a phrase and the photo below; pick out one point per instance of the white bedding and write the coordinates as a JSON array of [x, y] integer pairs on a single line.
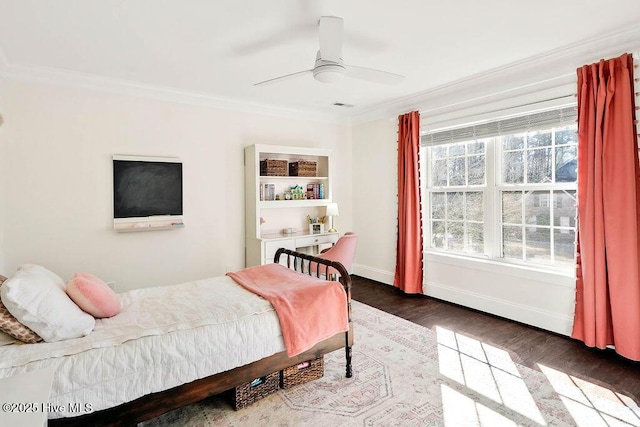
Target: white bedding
[[164, 337]]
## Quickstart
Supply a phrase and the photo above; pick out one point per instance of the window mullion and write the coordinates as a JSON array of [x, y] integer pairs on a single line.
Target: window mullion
[[426, 202], [491, 199], [552, 227], [523, 228]]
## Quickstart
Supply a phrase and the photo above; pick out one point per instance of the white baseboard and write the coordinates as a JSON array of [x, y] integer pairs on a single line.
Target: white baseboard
[[529, 315], [372, 273]]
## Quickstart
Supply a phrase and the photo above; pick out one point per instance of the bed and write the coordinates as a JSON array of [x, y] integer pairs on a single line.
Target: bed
[[177, 359]]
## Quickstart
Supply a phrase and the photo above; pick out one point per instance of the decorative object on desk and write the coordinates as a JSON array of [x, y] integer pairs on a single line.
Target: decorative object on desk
[[316, 225], [316, 228], [332, 210], [288, 230]]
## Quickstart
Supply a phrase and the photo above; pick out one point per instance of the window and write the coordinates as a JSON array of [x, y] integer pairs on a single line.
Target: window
[[505, 189], [457, 200]]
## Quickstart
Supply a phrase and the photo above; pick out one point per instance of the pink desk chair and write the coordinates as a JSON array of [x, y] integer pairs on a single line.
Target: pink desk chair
[[343, 251]]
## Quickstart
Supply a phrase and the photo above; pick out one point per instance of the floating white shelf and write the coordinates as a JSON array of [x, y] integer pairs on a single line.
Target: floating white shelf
[[128, 227]]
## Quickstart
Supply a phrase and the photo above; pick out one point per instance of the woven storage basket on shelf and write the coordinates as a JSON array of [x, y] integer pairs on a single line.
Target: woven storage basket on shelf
[[302, 373], [245, 394], [303, 168], [273, 167]]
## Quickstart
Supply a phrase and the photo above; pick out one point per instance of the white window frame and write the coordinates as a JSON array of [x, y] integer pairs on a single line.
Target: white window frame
[[493, 188]]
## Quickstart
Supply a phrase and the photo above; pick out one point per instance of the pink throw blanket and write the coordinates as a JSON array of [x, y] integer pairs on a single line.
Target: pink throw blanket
[[310, 309]]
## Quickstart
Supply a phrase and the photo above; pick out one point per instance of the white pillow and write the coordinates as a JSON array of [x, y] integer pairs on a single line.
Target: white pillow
[[50, 274], [35, 296]]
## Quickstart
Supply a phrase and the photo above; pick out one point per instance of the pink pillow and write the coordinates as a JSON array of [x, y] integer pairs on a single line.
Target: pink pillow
[[93, 295]]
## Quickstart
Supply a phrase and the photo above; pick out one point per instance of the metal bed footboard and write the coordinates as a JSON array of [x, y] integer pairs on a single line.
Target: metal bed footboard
[[320, 268]]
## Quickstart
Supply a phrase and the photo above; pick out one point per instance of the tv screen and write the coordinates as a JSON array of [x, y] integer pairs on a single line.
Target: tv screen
[[143, 188]]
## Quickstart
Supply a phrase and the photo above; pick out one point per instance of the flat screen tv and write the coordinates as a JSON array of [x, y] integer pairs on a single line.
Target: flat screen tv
[[146, 187]]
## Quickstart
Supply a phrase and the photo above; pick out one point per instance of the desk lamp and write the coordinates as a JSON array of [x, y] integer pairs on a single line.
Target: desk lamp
[[332, 210]]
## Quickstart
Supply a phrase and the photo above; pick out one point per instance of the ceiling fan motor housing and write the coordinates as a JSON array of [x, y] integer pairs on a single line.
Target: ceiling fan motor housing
[[328, 71]]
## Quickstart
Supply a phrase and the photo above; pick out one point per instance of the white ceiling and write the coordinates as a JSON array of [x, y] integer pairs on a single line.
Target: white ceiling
[[217, 49]]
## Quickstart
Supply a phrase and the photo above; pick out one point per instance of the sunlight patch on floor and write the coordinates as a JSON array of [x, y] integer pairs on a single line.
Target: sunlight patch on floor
[[486, 370], [592, 405], [462, 411]]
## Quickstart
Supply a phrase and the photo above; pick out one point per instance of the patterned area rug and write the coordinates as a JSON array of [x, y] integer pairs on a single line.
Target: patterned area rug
[[408, 375]]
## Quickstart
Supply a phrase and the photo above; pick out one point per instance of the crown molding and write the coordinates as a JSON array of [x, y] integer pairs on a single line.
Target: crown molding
[[66, 78], [556, 67]]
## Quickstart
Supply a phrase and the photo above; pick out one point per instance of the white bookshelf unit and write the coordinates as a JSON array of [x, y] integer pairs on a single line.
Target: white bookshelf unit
[[266, 220]]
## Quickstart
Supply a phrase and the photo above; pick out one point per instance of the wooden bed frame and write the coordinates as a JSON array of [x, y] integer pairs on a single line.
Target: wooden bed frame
[[155, 404]]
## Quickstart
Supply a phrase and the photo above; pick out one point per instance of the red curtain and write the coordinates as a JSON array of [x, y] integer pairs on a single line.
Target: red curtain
[[408, 275], [608, 271]]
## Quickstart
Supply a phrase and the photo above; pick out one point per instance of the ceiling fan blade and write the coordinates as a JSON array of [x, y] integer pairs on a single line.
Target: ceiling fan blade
[[282, 78], [373, 75], [275, 39], [330, 34]]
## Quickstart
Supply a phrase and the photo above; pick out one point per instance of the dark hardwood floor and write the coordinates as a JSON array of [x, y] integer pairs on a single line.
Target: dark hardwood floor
[[527, 345]]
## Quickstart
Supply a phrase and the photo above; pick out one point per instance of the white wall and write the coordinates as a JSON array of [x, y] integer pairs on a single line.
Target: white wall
[[532, 296], [375, 199], [55, 156]]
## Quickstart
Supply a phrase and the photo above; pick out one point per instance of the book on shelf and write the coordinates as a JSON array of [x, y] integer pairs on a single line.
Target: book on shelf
[[267, 192], [315, 191]]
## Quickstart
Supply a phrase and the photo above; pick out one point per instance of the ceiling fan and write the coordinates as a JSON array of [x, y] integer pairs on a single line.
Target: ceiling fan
[[329, 66]]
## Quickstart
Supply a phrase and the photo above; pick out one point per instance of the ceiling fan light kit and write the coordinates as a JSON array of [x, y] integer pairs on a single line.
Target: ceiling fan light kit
[[328, 71]]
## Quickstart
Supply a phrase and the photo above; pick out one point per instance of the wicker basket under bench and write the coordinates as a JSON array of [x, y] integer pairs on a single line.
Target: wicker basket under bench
[[250, 392], [247, 393], [302, 373]]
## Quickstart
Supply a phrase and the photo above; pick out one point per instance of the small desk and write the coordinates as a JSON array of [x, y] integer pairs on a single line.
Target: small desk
[[25, 398], [301, 242]]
